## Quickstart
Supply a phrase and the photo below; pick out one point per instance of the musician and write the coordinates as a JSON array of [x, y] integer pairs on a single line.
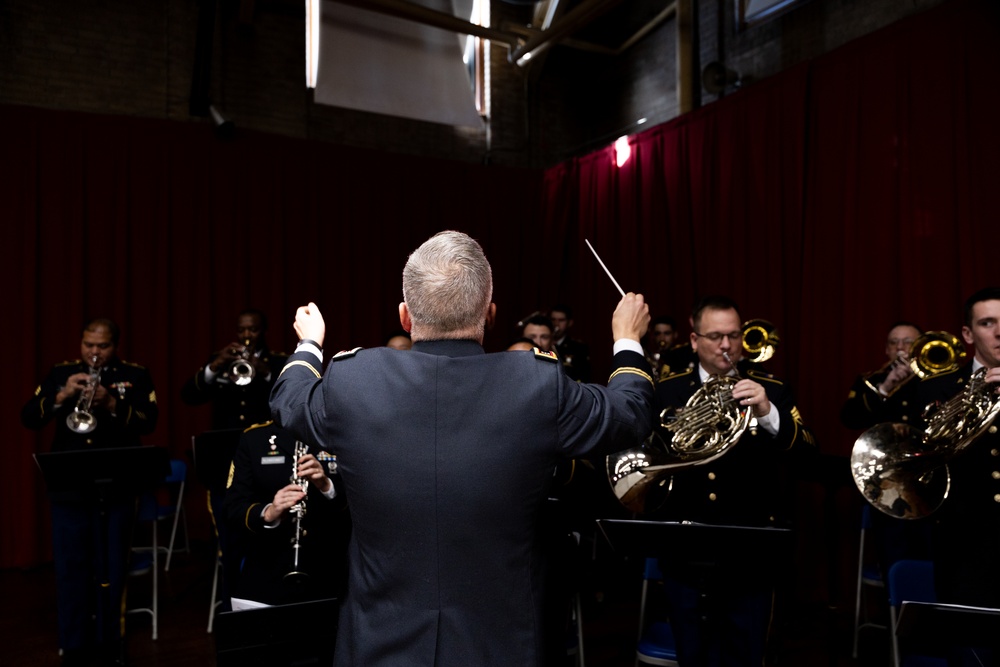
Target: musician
[[235, 405], [720, 609], [662, 334], [124, 409], [538, 328], [574, 354], [399, 340], [884, 395], [966, 527], [447, 455], [258, 500]]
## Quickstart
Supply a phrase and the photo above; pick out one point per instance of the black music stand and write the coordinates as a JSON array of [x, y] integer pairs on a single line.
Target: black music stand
[[696, 541], [103, 476], [212, 452], [934, 629], [282, 636]]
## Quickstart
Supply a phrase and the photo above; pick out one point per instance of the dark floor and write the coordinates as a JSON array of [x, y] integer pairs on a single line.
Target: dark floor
[[808, 635]]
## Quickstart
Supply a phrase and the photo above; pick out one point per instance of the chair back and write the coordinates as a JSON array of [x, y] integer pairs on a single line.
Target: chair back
[[911, 580]]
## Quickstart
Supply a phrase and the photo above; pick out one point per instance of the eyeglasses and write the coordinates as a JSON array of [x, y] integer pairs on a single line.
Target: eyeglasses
[[715, 336]]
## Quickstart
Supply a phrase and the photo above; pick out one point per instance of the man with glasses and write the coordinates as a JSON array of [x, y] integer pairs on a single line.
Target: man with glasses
[[720, 608], [882, 395]]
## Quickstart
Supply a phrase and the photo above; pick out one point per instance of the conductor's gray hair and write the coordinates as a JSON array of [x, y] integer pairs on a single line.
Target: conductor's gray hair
[[448, 286]]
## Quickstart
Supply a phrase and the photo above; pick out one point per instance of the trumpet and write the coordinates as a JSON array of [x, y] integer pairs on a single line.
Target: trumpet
[[901, 470], [241, 370], [299, 511], [82, 420]]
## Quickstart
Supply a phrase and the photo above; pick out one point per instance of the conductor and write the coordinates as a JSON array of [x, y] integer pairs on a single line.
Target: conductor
[[446, 454]]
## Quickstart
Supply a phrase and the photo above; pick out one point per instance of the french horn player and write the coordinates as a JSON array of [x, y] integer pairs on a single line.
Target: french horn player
[[725, 601]]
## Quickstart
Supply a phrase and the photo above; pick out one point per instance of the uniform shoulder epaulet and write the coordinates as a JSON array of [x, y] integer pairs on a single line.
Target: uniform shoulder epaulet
[[547, 356], [260, 425], [757, 374], [133, 365], [678, 374], [70, 363], [345, 354]]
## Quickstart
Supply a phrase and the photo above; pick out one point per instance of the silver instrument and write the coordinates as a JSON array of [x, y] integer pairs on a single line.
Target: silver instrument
[[708, 426], [902, 470], [299, 511], [241, 371], [82, 420]]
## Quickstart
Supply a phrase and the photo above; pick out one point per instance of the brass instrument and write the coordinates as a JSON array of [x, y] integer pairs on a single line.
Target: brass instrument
[[709, 424], [901, 470], [299, 511], [760, 340], [82, 420], [932, 353], [241, 371]]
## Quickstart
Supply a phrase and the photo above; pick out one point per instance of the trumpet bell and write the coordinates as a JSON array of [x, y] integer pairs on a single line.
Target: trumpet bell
[[899, 473], [760, 340], [79, 421], [936, 352], [242, 373]]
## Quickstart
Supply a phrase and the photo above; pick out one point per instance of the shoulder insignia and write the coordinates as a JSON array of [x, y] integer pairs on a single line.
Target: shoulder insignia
[[762, 375], [260, 425], [345, 354], [678, 374], [133, 365], [548, 356], [70, 363]]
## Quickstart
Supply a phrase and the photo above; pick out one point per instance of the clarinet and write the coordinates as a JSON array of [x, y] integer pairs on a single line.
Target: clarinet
[[299, 511]]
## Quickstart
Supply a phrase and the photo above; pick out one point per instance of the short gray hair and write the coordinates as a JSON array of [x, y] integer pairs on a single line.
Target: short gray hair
[[448, 286]]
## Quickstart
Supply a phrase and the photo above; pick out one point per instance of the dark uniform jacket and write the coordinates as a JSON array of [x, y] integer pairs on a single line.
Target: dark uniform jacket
[[575, 358], [263, 464], [135, 414], [447, 455], [746, 486], [865, 406], [234, 406], [966, 527]]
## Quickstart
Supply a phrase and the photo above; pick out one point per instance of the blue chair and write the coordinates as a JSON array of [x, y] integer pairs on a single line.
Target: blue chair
[[655, 645], [869, 577], [912, 581]]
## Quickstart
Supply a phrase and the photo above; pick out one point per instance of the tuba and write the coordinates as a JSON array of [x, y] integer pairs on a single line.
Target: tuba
[[298, 510], [241, 371], [82, 420], [708, 426], [902, 470]]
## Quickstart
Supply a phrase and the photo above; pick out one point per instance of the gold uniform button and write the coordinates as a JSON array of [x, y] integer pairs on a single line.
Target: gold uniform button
[[243, 403], [905, 418], [905, 403], [712, 496], [242, 418], [996, 498], [89, 441], [992, 429], [994, 452], [711, 475], [996, 474]]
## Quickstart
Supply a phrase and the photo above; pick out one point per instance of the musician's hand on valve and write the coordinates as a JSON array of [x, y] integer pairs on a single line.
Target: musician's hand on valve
[[105, 398], [631, 318], [899, 373], [311, 469], [226, 356], [309, 323], [74, 385], [748, 392], [284, 499]]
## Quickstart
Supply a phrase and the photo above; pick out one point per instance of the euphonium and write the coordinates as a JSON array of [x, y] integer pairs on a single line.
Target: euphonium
[[902, 470], [241, 370], [82, 420], [299, 511], [709, 424]]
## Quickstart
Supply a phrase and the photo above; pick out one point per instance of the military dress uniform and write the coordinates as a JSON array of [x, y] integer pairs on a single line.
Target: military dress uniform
[[79, 551], [263, 464], [720, 608], [447, 455]]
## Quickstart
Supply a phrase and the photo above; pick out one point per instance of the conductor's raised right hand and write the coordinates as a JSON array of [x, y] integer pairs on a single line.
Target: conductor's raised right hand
[[631, 318], [309, 323]]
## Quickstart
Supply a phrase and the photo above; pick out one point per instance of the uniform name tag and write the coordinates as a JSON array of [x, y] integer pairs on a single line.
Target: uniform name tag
[[272, 460]]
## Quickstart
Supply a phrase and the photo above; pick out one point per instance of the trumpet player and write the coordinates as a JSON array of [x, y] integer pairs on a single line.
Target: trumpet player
[[238, 394], [259, 505], [720, 609], [966, 527], [883, 395], [121, 401]]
